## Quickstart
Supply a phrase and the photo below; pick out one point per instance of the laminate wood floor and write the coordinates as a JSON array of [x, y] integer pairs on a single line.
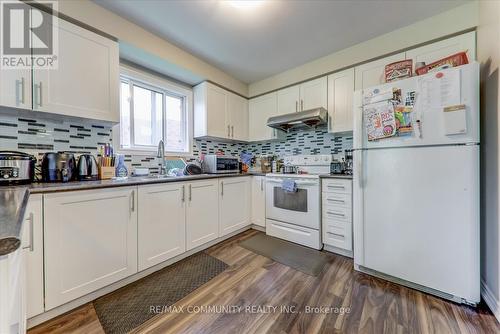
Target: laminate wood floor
[[359, 303]]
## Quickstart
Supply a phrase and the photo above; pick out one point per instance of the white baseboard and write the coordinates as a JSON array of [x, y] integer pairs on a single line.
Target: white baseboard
[[258, 228], [490, 300], [52, 313]]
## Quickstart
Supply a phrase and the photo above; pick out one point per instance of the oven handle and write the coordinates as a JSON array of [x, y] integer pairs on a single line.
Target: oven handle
[[312, 183]]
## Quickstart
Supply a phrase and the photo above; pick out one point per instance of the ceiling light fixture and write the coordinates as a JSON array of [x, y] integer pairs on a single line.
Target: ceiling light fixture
[[245, 4]]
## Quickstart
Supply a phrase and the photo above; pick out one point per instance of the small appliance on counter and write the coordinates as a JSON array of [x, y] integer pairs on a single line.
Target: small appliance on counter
[[348, 164], [337, 167], [220, 164], [87, 168], [58, 167], [16, 168]]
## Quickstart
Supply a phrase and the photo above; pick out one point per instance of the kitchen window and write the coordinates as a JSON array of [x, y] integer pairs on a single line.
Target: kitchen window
[[153, 109]]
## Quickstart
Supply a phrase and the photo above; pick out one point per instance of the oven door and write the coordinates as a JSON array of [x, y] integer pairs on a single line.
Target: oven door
[[299, 208]]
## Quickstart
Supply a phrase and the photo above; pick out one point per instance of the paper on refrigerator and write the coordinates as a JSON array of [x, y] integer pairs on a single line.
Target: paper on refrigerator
[[438, 90], [379, 120]]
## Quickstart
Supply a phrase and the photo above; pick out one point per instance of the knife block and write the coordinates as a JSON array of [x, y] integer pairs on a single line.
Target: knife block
[[106, 173]]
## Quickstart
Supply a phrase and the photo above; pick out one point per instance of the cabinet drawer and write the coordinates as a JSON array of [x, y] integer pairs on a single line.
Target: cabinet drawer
[[333, 212], [338, 236], [337, 186], [337, 199]]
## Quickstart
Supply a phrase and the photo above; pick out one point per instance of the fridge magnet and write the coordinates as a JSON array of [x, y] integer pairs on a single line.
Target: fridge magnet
[[410, 98], [404, 121], [379, 120]]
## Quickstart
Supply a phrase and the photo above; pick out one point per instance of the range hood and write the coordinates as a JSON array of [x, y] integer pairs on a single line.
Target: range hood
[[303, 119]]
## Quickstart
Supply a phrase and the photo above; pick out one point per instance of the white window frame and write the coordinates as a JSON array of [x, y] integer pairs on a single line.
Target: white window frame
[[161, 85]]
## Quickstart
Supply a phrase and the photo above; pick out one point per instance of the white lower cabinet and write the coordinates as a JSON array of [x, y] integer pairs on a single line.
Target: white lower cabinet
[[32, 246], [90, 241], [202, 212], [258, 214], [337, 215], [234, 204], [161, 223]]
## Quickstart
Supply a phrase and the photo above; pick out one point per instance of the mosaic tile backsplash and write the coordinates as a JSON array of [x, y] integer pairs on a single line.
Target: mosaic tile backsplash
[[37, 135]]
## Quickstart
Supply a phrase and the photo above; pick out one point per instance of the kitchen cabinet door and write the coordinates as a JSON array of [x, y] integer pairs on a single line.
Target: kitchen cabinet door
[[258, 214], [238, 117], [432, 52], [313, 94], [86, 81], [234, 204], [288, 100], [15, 88], [202, 213], [260, 109], [210, 111], [373, 73], [15, 83], [340, 92], [32, 245], [161, 223], [90, 241]]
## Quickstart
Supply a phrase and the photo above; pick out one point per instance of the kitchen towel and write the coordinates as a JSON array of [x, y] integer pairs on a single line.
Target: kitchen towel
[[289, 185]]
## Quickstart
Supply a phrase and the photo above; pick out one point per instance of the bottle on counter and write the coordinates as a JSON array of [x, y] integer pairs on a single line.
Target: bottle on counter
[[121, 169]]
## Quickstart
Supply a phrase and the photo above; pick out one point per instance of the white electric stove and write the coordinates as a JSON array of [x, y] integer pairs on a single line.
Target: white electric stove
[[296, 216]]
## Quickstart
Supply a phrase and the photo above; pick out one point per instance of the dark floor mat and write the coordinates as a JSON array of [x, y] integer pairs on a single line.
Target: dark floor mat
[[123, 310], [304, 259]]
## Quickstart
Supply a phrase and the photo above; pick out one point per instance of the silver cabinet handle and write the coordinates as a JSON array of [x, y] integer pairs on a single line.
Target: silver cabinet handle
[[20, 95], [190, 193], [31, 246], [132, 203], [296, 106], [261, 184], [336, 213], [335, 200], [274, 133], [229, 131], [38, 100], [222, 188], [183, 196], [301, 104], [335, 186], [232, 131]]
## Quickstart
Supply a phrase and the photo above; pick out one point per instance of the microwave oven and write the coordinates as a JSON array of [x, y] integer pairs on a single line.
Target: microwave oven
[[219, 164]]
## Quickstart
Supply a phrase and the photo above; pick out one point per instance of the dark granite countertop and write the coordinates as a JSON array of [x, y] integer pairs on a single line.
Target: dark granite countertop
[[13, 200], [336, 176]]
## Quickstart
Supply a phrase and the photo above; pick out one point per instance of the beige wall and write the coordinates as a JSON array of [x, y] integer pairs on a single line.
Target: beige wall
[[488, 52], [131, 34], [458, 19]]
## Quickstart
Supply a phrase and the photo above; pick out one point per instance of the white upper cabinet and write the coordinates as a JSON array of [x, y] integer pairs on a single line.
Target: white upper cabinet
[[308, 95], [260, 109], [202, 213], [373, 73], [161, 223], [234, 204], [258, 214], [90, 240], [313, 94], [288, 100], [86, 81], [432, 52], [15, 88], [32, 245], [237, 113], [219, 113], [340, 92]]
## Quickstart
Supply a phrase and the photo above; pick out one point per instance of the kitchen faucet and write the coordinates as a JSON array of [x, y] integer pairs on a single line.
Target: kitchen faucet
[[161, 155]]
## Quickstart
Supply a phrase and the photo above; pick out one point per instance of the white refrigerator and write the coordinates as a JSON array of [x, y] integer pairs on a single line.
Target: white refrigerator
[[416, 196]]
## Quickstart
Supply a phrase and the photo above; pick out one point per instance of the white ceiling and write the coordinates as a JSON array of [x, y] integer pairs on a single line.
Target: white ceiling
[[255, 43]]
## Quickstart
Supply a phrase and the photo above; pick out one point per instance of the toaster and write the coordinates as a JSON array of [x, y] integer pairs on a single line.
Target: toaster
[[16, 168]]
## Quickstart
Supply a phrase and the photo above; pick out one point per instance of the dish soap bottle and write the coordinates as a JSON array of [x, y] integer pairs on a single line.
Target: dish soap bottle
[[121, 169]]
